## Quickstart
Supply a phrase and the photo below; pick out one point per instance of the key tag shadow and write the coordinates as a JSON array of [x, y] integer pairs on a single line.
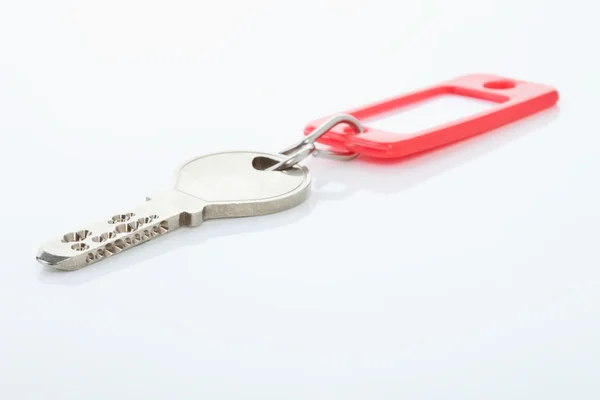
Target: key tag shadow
[[332, 181]]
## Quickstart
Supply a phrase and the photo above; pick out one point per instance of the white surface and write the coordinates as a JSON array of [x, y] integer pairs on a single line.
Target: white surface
[[468, 273]]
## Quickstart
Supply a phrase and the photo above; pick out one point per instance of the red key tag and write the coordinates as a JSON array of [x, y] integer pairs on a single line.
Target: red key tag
[[515, 100]]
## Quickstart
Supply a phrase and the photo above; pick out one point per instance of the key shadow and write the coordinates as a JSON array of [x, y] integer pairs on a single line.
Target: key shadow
[[366, 175]]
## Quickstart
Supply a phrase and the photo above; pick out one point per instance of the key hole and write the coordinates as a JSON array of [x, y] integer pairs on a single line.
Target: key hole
[[261, 163]]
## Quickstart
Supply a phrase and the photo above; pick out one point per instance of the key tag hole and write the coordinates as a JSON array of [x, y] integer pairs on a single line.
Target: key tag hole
[[500, 84]]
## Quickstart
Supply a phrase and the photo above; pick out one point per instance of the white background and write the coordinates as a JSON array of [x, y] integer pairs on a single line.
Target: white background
[[472, 272]]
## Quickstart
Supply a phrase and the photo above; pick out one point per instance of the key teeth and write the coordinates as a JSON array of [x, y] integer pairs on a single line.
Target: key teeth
[[110, 249], [105, 245], [120, 245], [133, 239]]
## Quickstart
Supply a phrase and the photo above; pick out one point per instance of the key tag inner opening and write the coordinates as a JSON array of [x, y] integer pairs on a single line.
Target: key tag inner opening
[[514, 100]]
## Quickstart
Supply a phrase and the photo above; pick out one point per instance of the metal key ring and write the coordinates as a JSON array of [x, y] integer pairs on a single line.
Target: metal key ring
[[306, 146]]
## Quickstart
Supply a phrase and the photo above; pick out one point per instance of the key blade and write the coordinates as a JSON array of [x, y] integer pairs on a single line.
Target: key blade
[[118, 233]]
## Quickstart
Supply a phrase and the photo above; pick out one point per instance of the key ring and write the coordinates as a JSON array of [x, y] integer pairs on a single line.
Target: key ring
[[226, 185], [306, 146]]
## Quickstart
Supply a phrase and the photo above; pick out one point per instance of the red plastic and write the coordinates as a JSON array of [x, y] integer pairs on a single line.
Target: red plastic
[[516, 100]]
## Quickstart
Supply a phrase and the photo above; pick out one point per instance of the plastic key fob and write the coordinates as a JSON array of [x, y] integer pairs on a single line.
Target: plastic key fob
[[515, 100]]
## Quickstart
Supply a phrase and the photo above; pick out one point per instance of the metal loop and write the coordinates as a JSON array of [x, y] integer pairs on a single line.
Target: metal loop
[[294, 157], [306, 146]]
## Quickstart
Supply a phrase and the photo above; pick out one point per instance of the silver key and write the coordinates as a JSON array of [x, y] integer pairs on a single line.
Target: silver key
[[222, 185]]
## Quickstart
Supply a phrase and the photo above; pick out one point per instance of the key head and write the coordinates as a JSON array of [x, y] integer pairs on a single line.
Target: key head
[[234, 184]]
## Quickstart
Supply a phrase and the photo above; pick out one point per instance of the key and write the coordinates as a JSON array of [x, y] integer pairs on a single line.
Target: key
[[222, 185]]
